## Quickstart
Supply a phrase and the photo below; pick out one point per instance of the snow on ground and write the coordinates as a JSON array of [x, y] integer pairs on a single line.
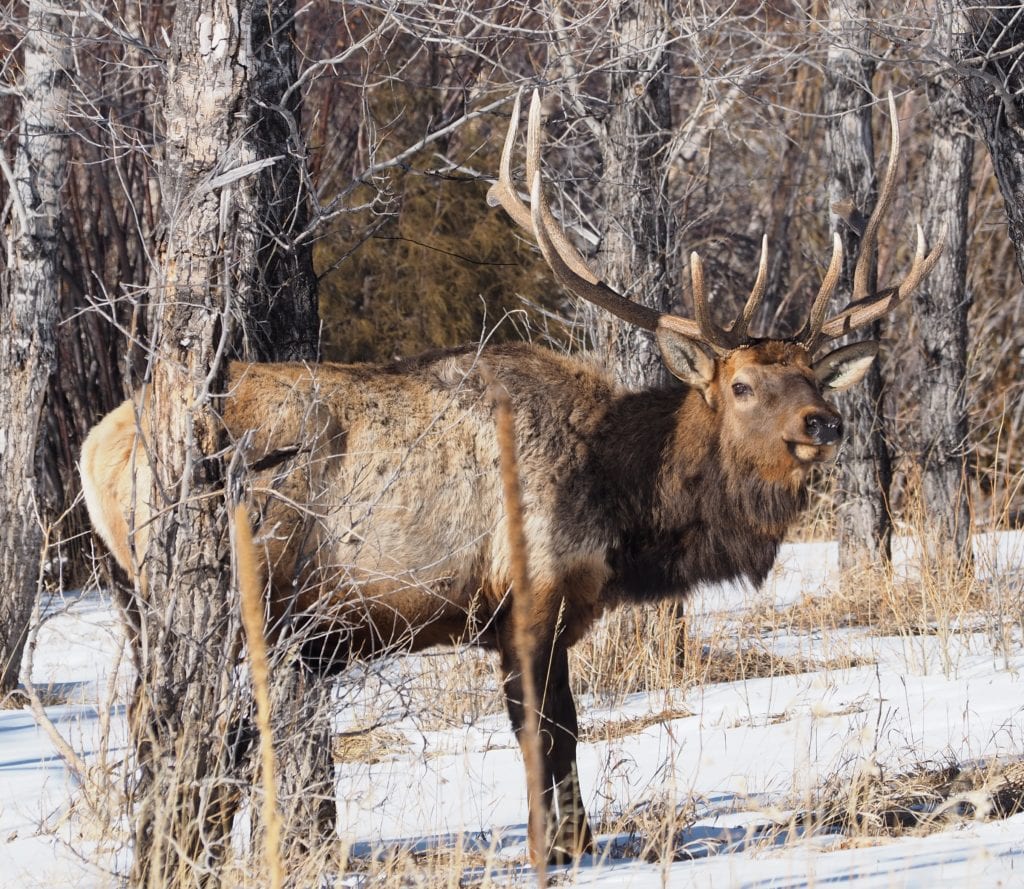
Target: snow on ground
[[751, 752], [77, 651]]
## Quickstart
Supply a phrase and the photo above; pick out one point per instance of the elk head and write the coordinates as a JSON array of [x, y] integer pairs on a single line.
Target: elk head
[[768, 393]]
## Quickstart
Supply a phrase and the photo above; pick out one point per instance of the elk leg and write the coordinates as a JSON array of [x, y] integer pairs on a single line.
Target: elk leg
[[572, 834], [569, 833], [513, 686]]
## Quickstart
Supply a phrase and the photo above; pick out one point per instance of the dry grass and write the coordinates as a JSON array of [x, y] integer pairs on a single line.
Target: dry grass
[[604, 730], [648, 831], [440, 690], [710, 665], [447, 863], [653, 649], [920, 801], [18, 700], [369, 746], [887, 605], [869, 809]]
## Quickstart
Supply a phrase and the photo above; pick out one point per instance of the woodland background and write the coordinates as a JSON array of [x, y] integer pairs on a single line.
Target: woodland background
[[341, 152]]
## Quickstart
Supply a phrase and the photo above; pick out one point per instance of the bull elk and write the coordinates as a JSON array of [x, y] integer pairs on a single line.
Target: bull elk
[[377, 492]]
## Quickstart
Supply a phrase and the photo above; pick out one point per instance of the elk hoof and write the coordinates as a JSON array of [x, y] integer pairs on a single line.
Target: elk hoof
[[571, 841]]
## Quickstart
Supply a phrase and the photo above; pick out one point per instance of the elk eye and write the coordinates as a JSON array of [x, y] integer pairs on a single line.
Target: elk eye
[[741, 390]]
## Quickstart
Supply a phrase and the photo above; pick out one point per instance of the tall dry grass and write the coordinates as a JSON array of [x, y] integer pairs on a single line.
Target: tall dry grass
[[664, 651]]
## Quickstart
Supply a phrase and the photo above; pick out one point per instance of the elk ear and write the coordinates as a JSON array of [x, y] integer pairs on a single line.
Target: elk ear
[[686, 358], [845, 367]]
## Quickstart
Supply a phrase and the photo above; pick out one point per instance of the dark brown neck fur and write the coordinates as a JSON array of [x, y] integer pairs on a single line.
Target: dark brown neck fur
[[679, 508]]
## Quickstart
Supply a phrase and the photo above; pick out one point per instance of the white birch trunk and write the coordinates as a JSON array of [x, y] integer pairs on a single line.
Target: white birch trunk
[[28, 315]]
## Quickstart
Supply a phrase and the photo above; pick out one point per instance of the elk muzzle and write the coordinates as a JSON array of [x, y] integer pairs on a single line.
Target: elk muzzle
[[814, 434], [823, 428]]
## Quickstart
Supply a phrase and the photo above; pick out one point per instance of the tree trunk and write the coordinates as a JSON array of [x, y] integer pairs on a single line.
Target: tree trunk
[[234, 277], [28, 309], [941, 305], [185, 712], [993, 83], [636, 238], [282, 321], [865, 472], [226, 263]]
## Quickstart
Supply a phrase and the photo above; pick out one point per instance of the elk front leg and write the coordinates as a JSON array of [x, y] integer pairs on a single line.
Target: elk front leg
[[568, 832], [572, 833]]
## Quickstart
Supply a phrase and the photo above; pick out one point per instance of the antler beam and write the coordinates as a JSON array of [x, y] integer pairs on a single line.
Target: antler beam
[[573, 273], [865, 308], [568, 266]]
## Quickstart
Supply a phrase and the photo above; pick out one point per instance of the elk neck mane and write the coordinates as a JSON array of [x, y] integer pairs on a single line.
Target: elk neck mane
[[682, 505], [650, 477]]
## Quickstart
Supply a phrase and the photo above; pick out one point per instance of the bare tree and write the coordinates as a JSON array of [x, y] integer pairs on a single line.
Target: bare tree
[[637, 221], [984, 66], [28, 311], [184, 811], [941, 308], [281, 315], [108, 211], [234, 277], [865, 526], [988, 60]]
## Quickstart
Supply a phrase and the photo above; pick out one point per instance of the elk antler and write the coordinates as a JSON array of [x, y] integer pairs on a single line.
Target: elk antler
[[739, 327], [865, 308], [575, 275], [569, 267]]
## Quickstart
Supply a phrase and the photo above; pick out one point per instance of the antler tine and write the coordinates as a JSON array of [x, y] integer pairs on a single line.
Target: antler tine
[[567, 265], [720, 340], [922, 264], [503, 193], [565, 261], [567, 253], [739, 327], [866, 308], [811, 336], [863, 313], [866, 257], [594, 291]]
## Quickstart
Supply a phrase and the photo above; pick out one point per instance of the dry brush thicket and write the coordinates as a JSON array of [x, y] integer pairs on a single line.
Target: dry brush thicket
[[409, 257], [405, 108]]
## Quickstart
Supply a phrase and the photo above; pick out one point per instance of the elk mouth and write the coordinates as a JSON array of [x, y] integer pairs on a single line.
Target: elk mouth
[[805, 452]]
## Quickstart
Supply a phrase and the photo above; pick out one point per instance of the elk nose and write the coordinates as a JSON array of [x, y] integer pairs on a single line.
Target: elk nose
[[824, 429]]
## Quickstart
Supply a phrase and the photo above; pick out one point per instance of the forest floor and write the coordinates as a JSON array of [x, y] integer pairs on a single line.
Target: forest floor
[[812, 744]]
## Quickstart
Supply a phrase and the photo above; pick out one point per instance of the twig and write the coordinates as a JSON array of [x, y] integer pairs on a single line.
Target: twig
[[250, 590], [15, 194], [522, 600], [72, 760]]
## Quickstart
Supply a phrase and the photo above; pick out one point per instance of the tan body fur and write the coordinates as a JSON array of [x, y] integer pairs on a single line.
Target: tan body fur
[[392, 486], [395, 492], [378, 490], [380, 517]]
